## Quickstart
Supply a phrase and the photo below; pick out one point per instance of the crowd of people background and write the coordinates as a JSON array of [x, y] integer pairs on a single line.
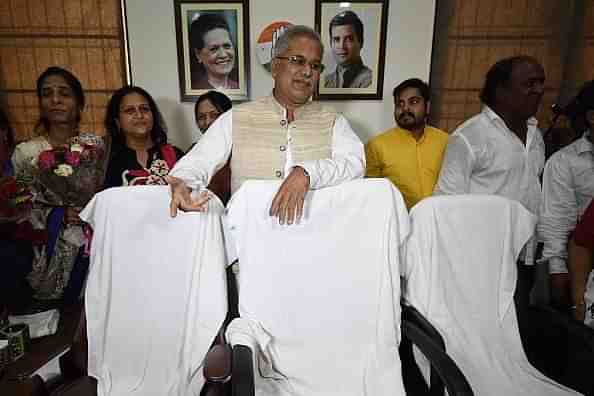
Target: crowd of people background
[[498, 151]]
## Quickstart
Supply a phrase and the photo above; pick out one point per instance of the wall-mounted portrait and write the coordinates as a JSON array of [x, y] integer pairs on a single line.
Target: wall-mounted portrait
[[213, 48], [354, 37]]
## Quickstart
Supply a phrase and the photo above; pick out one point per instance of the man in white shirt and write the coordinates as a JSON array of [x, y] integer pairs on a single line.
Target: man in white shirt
[[568, 188], [282, 136], [500, 151]]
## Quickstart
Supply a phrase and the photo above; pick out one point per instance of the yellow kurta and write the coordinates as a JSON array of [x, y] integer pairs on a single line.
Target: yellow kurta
[[413, 166]]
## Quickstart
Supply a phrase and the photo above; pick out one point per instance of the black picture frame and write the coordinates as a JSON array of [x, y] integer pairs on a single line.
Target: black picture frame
[[365, 79], [193, 75]]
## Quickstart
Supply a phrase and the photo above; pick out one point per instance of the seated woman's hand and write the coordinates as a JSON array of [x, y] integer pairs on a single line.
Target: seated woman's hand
[[181, 197]]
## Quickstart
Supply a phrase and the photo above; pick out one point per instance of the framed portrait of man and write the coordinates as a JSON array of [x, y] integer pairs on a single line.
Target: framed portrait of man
[[213, 48], [354, 37]]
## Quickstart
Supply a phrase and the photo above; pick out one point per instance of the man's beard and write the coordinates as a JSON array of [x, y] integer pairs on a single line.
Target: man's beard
[[409, 121]]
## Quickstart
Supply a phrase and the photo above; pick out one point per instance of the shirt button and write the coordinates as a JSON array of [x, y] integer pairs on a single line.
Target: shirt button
[[283, 123], [279, 174], [282, 148]]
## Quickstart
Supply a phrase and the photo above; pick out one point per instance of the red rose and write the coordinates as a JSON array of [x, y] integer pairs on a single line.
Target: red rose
[[72, 158], [46, 159]]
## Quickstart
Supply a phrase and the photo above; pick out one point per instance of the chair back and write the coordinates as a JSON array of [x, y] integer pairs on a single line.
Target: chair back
[[461, 274], [155, 296], [320, 300]]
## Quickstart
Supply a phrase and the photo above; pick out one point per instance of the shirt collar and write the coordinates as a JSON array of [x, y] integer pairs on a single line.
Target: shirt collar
[[495, 118], [410, 134], [282, 111], [278, 108], [585, 144]]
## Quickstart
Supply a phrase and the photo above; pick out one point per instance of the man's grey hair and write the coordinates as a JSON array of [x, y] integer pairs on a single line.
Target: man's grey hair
[[282, 44]]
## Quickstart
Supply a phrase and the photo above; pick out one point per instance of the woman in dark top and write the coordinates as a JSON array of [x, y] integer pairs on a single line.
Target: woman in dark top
[[207, 109], [140, 153]]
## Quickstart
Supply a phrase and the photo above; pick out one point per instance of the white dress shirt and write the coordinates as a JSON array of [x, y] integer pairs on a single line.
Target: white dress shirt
[[214, 148], [568, 188], [484, 156]]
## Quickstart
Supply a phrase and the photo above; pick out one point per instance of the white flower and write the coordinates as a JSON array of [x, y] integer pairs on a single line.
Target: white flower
[[63, 170], [76, 147], [159, 168]]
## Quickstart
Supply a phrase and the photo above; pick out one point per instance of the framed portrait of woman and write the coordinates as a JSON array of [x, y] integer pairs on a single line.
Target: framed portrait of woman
[[213, 48]]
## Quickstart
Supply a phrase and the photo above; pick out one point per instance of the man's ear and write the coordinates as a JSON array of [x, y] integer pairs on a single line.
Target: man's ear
[[427, 108], [274, 63]]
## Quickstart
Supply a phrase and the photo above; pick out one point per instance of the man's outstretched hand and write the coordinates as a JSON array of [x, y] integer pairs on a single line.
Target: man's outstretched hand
[[287, 204], [181, 197]]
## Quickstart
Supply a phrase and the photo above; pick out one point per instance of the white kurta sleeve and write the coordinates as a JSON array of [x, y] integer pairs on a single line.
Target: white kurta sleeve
[[210, 154], [458, 163], [558, 213], [347, 162]]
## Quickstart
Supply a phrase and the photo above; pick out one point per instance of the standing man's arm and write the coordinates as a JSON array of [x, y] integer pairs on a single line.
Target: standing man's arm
[[580, 265], [580, 256], [194, 170], [558, 217], [456, 169], [372, 157]]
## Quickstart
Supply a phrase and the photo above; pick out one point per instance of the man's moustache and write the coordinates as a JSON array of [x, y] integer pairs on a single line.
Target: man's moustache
[[406, 114]]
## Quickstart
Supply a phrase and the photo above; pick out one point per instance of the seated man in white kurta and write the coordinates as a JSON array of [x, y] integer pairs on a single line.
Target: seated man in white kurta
[[281, 136]]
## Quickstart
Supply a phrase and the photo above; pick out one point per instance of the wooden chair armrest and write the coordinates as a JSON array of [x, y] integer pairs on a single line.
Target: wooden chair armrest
[[218, 363]]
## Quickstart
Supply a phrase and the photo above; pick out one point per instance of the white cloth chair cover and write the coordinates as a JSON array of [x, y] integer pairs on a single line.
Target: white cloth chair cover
[[156, 292], [320, 300], [461, 275]]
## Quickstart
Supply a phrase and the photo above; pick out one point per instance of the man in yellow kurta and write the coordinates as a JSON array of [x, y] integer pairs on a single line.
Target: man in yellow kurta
[[410, 154]]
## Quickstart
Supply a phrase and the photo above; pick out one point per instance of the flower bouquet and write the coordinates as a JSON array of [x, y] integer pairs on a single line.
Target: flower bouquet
[[15, 199], [72, 174]]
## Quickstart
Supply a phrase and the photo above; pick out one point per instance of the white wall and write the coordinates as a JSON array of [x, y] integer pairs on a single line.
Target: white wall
[[153, 56]]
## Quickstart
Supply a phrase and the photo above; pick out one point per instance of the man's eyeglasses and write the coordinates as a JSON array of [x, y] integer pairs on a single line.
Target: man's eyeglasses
[[300, 61]]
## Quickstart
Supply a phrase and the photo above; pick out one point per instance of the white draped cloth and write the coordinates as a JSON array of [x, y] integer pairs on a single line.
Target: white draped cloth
[[320, 300], [156, 292], [461, 275]]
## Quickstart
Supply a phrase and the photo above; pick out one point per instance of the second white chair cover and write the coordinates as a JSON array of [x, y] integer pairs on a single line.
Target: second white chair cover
[[320, 300]]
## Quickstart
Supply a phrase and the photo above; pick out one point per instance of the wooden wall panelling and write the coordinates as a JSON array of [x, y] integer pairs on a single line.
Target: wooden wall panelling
[[83, 36], [587, 59], [480, 32]]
